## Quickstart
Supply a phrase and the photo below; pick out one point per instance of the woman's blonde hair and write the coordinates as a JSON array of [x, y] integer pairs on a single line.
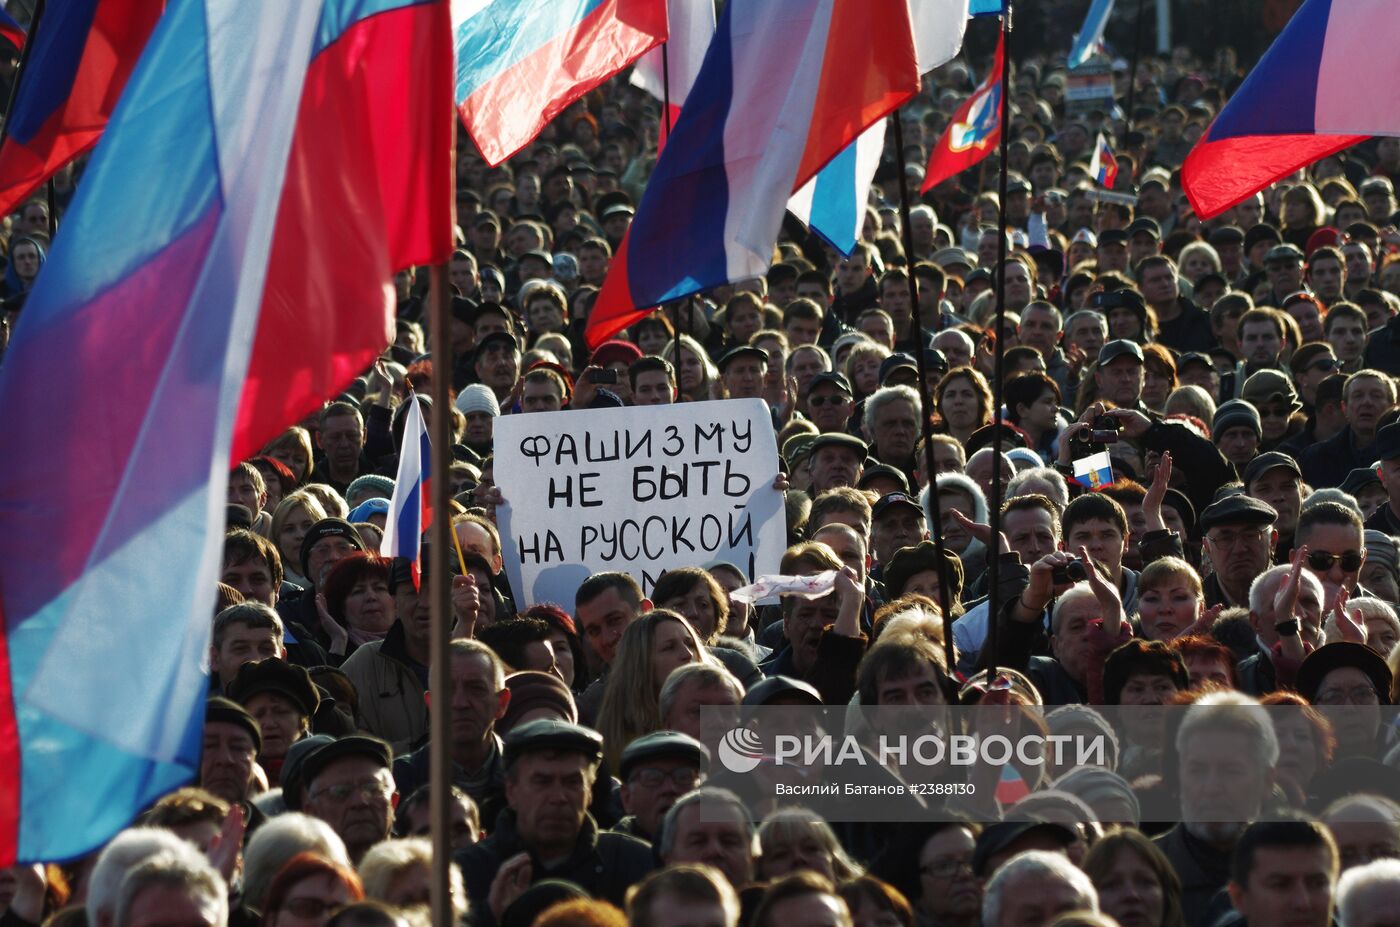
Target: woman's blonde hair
[[298, 437], [631, 703], [299, 498], [386, 860], [790, 825]]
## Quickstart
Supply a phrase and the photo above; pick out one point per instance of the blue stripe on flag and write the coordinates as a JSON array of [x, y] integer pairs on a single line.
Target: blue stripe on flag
[[834, 201], [986, 7], [1091, 33], [54, 58], [508, 31], [1279, 97]]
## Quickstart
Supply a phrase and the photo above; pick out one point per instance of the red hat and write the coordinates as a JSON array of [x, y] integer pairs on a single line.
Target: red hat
[[610, 352], [1322, 238]]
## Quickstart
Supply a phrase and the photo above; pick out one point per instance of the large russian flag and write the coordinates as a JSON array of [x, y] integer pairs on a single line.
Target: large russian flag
[[520, 63], [786, 85], [833, 203], [82, 55], [142, 328], [410, 510], [1325, 84]]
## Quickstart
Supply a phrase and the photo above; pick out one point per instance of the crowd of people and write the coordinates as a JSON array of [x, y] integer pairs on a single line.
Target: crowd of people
[[1238, 569]]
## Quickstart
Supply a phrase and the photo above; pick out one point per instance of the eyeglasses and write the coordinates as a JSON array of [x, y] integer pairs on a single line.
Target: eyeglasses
[[947, 868], [652, 778], [369, 788], [311, 908], [1324, 363], [1231, 538], [834, 399], [1321, 560], [1361, 695]]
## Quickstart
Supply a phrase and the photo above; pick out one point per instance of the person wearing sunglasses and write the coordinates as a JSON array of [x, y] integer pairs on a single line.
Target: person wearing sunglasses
[[1334, 537], [829, 401]]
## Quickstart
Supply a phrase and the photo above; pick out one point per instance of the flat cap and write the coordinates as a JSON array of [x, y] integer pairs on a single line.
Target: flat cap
[[775, 687], [1283, 252], [883, 471], [278, 676], [744, 350], [550, 734], [659, 744], [840, 439], [320, 759], [1270, 461], [1237, 509]]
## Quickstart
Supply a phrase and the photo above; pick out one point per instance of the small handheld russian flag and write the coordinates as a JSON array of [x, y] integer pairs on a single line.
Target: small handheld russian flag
[[410, 512], [1104, 166]]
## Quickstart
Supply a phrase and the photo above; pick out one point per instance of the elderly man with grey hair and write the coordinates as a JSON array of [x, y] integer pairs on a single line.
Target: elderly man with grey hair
[[276, 842], [1042, 481], [126, 851], [172, 889], [1369, 895], [891, 426], [710, 825], [1033, 888], [1256, 673], [1226, 753], [693, 687]]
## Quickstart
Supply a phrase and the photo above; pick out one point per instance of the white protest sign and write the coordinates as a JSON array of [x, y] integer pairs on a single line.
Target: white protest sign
[[637, 490]]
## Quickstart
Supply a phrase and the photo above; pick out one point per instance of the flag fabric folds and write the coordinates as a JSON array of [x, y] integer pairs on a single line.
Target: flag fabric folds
[[691, 25], [144, 326], [785, 86], [1301, 102], [833, 203], [520, 63], [974, 131], [1103, 167], [410, 510], [1090, 36], [10, 30], [82, 56]]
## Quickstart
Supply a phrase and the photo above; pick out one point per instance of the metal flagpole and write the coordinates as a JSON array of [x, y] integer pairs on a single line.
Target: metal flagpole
[[925, 404], [999, 348]]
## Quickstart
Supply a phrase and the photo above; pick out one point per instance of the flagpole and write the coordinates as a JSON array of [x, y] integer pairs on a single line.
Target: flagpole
[[925, 403], [666, 121], [29, 35], [999, 348], [1132, 71], [440, 537]]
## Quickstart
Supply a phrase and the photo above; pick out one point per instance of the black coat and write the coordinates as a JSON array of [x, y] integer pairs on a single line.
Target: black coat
[[604, 864]]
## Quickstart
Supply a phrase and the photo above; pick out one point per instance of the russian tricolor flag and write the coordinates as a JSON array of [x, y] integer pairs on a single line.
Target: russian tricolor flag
[[82, 56], [1089, 39], [1325, 84], [1103, 167], [520, 63], [786, 85], [266, 170], [410, 510]]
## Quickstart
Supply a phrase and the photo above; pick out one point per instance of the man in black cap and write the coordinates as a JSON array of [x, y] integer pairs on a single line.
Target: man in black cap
[[896, 521], [282, 699], [348, 785], [657, 769], [547, 832], [829, 403], [1387, 517], [1239, 537], [1144, 240], [1275, 479], [232, 741], [1283, 266], [742, 370], [1228, 242], [836, 459], [1237, 432], [1112, 251], [326, 542], [497, 363], [1119, 374]]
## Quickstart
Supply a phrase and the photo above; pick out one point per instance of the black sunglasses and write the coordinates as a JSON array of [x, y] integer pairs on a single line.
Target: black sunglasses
[[1321, 560], [1325, 363]]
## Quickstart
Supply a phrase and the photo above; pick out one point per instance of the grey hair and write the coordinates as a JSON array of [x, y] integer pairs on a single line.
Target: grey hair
[[825, 357], [923, 209], [883, 397], [1359, 883], [1362, 809], [1266, 585], [1035, 863], [192, 875], [1059, 493], [1242, 714], [1069, 597], [383, 862], [954, 333], [1076, 317], [1045, 307], [705, 675], [128, 849], [708, 794], [278, 841], [1330, 494]]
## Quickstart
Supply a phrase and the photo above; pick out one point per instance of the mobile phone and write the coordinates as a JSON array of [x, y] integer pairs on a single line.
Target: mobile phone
[[601, 376]]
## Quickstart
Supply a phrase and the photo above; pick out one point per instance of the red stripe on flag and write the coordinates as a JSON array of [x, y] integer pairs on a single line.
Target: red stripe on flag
[[613, 310], [1219, 174], [9, 756], [851, 100], [328, 307]]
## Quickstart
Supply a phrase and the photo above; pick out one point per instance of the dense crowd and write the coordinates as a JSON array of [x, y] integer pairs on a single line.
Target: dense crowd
[[1238, 565]]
